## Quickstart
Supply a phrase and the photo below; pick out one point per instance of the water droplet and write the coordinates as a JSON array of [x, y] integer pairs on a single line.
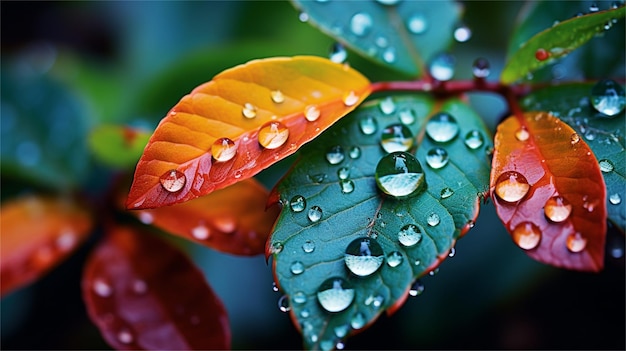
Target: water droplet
[[303, 17], [173, 180], [575, 242], [317, 178], [615, 199], [437, 157], [249, 110], [341, 330], [399, 174], [343, 173], [146, 217], [462, 33], [446, 193], [338, 53], [273, 135], [590, 135], [361, 24], [283, 304], [368, 125], [299, 297], [311, 113], [223, 149], [433, 219], [315, 214], [442, 67], [417, 24], [335, 155], [335, 294], [574, 138], [387, 106], [594, 7], [417, 288], [452, 252], [522, 134], [388, 2], [139, 287], [511, 186], [350, 98], [480, 68], [542, 54], [409, 235], [355, 152], [394, 259], [340, 345], [608, 97], [200, 232], [389, 55], [238, 174], [297, 203], [474, 139], [357, 321], [305, 313], [276, 248], [433, 272], [124, 336], [375, 301], [347, 186], [407, 115], [606, 166], [102, 288], [308, 246], [557, 209], [225, 224], [297, 267], [274, 287], [277, 96], [442, 127], [396, 137], [527, 235], [363, 256]]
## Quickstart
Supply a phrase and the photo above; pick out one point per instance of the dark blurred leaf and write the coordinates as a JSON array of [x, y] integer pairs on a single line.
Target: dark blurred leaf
[[117, 146]]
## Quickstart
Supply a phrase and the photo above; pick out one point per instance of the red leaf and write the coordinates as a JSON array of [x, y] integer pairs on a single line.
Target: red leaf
[[549, 192], [37, 234], [144, 294], [232, 220], [244, 120]]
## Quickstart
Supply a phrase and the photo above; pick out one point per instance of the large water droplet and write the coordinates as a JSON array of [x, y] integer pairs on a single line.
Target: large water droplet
[[223, 149], [474, 139], [446, 193], [273, 135], [350, 98], [297, 203], [249, 110], [417, 23], [396, 137], [357, 321], [575, 242], [442, 127], [480, 68], [433, 219], [394, 259], [335, 155], [407, 115], [347, 186], [335, 294], [311, 113], [606, 166], [308, 246], [355, 152], [361, 24], [315, 214], [442, 67], [409, 235], [437, 157], [387, 105], [102, 288], [363, 256], [277, 96], [557, 209], [399, 174], [417, 288], [511, 186], [200, 232], [297, 267], [608, 97], [527, 235], [173, 180], [615, 199], [368, 125], [283, 304], [338, 53]]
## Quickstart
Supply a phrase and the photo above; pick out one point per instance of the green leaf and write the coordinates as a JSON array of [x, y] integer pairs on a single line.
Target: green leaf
[[117, 146], [404, 36], [604, 135], [335, 181], [556, 42]]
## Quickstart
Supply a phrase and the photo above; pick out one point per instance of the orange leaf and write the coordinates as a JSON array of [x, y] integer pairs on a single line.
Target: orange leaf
[[549, 192], [244, 120], [37, 234], [144, 294], [232, 220]]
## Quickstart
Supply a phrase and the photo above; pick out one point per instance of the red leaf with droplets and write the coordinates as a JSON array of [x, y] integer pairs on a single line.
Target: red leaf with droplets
[[144, 294], [244, 120], [232, 220], [549, 192], [37, 234]]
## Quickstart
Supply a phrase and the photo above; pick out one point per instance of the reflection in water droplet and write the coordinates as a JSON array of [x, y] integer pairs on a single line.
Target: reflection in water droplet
[[173, 180], [446, 193], [361, 24], [124, 336], [437, 157], [396, 137], [527, 235], [297, 203], [399, 174], [347, 186], [433, 219], [308, 246], [357, 321], [274, 287], [299, 297], [474, 139], [574, 138], [480, 68], [315, 214], [200, 232], [417, 24], [249, 110], [283, 304], [442, 127], [387, 105], [407, 115], [409, 235], [394, 259], [355, 152], [417, 288], [277, 96], [335, 155], [297, 267], [350, 99], [102, 288], [276, 248], [522, 134], [335, 294], [223, 149], [615, 199], [576, 243], [442, 67], [311, 113], [511, 186], [338, 53], [273, 135], [363, 256], [606, 166], [557, 209], [368, 125], [608, 97]]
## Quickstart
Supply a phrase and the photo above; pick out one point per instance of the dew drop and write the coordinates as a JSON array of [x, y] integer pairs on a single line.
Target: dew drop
[[442, 127], [437, 157], [375, 301], [542, 54], [574, 138], [357, 321], [343, 173], [249, 110], [335, 155], [407, 115], [66, 240], [200, 232], [297, 203], [317, 178], [305, 313], [608, 97], [446, 193], [124, 336], [433, 219], [225, 224], [615, 199], [480, 68], [276, 248], [273, 135], [338, 53], [223, 149], [308, 246], [394, 259], [452, 252], [388, 2], [335, 294], [396, 137], [389, 55], [399, 174], [527, 235], [315, 214], [347, 186], [173, 180], [410, 235], [303, 17], [274, 287], [522, 134], [417, 24], [594, 7], [102, 288], [299, 297], [575, 242], [354, 152], [361, 24], [417, 288], [511, 186], [606, 166], [312, 113], [297, 267], [442, 67], [387, 106], [368, 125], [146, 217], [350, 98], [462, 34], [341, 330], [363, 256], [557, 209], [283, 304], [474, 139]]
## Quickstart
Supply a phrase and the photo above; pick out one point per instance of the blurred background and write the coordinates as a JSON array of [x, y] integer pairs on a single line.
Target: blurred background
[[70, 66]]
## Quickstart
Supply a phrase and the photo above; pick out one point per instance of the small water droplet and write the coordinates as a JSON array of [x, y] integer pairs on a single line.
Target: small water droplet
[[146, 217], [102, 288], [173, 180], [381, 41], [357, 321], [277, 96], [410, 235], [308, 246], [557, 209], [355, 152], [452, 252], [317, 178], [442, 127], [66, 240], [305, 313], [297, 267], [297, 203], [303, 17], [606, 166], [394, 259], [315, 214], [407, 115], [347, 186], [574, 138], [594, 7], [462, 33], [200, 232], [437, 157], [442, 67], [388, 2], [312, 113], [375, 301], [361, 24], [526, 235], [274, 287], [389, 55], [335, 155], [542, 54], [522, 134], [368, 125], [273, 135], [387, 105], [283, 304], [446, 193], [223, 149], [474, 139], [350, 98], [124, 336], [511, 186], [276, 248], [433, 272], [417, 288], [340, 345], [575, 242], [399, 174], [480, 68], [341, 330], [249, 110], [338, 53], [433, 219], [139, 287], [225, 224], [335, 294], [590, 135], [608, 97], [396, 137], [299, 297], [363, 256], [417, 23], [343, 173], [615, 199]]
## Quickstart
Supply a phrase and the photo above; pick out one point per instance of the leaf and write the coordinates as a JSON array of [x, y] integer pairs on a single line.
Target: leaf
[[549, 193], [557, 42], [404, 35], [605, 136], [144, 294], [181, 147], [37, 234], [330, 199], [117, 146], [232, 220]]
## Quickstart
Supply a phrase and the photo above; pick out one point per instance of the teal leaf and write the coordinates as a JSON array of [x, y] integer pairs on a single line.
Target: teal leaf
[[403, 35], [572, 103], [331, 203], [556, 42]]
